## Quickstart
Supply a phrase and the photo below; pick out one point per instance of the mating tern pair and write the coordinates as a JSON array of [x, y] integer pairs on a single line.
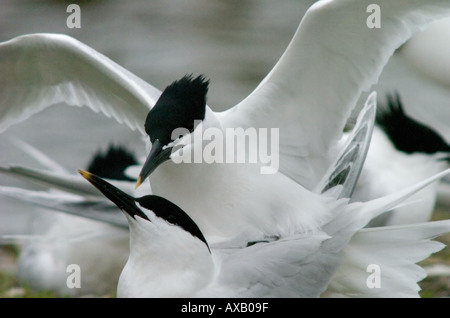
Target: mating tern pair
[[289, 98]]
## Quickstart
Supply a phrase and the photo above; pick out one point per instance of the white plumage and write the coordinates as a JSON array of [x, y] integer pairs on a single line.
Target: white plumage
[[308, 95], [168, 260]]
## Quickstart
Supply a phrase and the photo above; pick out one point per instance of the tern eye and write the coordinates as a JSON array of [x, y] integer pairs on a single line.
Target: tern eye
[[180, 132], [172, 219]]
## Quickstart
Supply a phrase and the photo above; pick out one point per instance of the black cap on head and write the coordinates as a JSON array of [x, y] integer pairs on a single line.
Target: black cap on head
[[173, 214], [160, 206], [179, 105], [112, 163]]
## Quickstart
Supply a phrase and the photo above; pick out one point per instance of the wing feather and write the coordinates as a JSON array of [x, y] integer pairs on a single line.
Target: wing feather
[[332, 59], [41, 70]]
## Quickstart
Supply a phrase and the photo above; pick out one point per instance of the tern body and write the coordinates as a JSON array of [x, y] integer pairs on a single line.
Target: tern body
[[170, 257], [226, 190]]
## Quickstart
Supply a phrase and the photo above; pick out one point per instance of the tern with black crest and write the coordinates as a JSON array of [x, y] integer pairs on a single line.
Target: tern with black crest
[[170, 257]]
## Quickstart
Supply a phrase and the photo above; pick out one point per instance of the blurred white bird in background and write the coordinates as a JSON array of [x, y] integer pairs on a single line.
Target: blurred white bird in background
[[403, 151], [308, 108], [58, 240]]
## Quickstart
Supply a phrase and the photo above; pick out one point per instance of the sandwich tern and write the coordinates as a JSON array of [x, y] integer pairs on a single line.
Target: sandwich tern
[[170, 257]]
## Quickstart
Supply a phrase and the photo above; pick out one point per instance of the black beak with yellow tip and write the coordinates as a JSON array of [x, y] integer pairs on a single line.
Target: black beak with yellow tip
[[160, 206], [156, 157], [124, 201]]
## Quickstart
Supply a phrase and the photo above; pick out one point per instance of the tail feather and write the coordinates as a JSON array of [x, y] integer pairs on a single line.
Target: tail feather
[[363, 212], [382, 262]]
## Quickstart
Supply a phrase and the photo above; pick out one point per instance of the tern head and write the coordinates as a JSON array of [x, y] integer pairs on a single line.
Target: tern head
[[112, 163], [169, 256], [407, 134], [181, 106], [147, 209]]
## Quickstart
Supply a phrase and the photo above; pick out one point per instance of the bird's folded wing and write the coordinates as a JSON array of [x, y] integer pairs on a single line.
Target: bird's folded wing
[[337, 53], [293, 267], [100, 210], [40, 70]]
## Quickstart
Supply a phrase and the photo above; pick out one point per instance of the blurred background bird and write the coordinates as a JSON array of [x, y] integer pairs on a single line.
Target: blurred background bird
[[403, 151], [58, 240]]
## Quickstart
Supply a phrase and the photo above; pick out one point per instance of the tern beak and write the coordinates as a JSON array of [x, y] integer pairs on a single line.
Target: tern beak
[[156, 157], [124, 201]]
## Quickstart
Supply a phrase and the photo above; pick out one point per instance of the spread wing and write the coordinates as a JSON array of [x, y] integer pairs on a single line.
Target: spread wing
[[332, 59], [41, 70]]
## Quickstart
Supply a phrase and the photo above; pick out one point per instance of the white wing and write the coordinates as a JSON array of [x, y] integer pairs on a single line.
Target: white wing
[[429, 51], [38, 156], [66, 192], [64, 202], [63, 181], [293, 267], [333, 57], [41, 70]]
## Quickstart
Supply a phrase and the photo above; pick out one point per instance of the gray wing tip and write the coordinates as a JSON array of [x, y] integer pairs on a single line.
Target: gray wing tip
[[343, 175]]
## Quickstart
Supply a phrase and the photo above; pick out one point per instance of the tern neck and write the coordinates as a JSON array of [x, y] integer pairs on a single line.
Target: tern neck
[[163, 256]]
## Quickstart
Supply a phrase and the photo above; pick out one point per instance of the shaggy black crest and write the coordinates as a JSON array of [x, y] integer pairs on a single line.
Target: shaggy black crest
[[180, 104], [407, 134], [112, 163]]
